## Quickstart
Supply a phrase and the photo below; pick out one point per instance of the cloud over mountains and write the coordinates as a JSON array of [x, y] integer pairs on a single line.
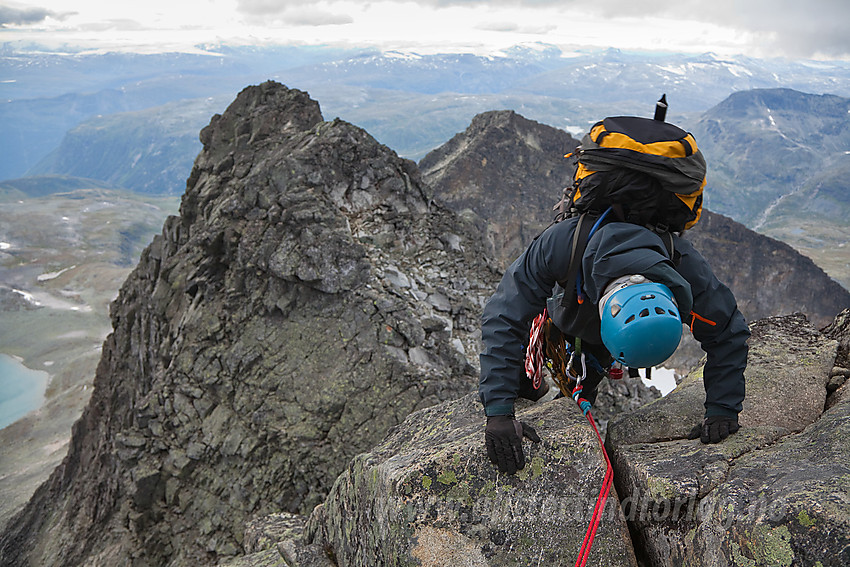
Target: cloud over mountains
[[760, 28]]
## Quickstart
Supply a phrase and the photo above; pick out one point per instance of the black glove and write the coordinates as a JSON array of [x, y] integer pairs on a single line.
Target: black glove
[[503, 437], [715, 428]]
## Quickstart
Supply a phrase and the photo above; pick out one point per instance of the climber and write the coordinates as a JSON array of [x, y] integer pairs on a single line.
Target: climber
[[617, 249], [618, 263]]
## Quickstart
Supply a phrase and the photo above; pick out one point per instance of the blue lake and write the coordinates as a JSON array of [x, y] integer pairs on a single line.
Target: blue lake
[[21, 390]]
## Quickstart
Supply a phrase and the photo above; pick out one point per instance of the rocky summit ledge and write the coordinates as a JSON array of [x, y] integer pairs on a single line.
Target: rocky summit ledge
[[428, 495], [777, 493]]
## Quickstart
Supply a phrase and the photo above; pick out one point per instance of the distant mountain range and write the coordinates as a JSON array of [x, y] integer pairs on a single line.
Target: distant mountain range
[[147, 151], [779, 162], [774, 150], [768, 144], [422, 100]]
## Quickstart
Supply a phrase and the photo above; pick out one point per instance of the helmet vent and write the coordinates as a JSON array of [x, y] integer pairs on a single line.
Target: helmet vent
[[644, 313], [630, 319], [659, 311], [673, 313]]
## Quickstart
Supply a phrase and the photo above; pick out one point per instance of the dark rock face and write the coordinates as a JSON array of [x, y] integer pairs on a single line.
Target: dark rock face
[[308, 298], [508, 170], [839, 330], [775, 493], [767, 276]]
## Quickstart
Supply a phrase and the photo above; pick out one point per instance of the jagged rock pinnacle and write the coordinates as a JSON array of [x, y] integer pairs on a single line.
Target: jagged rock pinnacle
[[308, 298]]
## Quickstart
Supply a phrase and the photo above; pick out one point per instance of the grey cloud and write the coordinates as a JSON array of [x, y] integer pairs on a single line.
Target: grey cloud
[[269, 7], [17, 16], [510, 27], [313, 17], [498, 26], [264, 7], [108, 25], [294, 12], [797, 28]]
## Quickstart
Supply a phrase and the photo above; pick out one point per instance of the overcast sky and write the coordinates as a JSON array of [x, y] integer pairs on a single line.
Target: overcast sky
[[761, 28]]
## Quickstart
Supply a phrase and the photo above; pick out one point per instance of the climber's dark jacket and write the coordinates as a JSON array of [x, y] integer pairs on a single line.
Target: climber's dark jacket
[[614, 250]]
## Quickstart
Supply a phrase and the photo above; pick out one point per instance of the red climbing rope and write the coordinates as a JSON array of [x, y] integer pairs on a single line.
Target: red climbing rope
[[534, 362], [603, 492]]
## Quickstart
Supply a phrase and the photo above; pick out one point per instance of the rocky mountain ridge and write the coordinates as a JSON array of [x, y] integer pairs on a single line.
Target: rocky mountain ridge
[[506, 169], [309, 297], [755, 128]]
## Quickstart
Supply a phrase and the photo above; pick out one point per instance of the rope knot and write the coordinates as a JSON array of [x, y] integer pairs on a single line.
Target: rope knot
[[577, 392]]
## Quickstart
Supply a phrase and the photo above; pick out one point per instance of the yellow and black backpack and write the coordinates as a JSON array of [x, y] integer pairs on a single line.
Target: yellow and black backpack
[[649, 171], [639, 170]]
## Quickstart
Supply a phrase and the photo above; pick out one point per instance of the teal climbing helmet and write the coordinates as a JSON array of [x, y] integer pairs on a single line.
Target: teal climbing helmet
[[641, 325]]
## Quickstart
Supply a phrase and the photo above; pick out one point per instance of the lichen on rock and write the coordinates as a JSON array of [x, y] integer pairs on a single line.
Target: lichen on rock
[[383, 511]]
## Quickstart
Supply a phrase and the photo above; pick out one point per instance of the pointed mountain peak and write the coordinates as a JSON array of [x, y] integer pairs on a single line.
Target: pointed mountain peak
[[261, 112]]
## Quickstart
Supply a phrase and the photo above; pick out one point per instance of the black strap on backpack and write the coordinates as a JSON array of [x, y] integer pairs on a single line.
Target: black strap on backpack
[[579, 245]]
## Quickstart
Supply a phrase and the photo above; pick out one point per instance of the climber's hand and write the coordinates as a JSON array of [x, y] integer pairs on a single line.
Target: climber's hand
[[714, 429], [503, 437]]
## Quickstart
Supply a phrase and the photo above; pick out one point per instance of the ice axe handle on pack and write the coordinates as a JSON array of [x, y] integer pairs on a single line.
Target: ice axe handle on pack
[[661, 108]]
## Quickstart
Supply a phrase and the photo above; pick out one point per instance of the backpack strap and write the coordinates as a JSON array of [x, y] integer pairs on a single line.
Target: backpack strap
[[579, 244], [587, 224], [669, 244]]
